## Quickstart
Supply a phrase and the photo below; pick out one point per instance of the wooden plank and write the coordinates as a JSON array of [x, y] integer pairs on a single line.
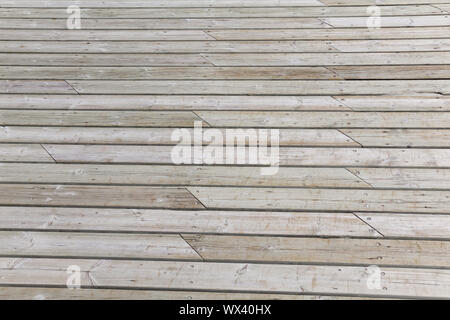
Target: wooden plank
[[92, 245], [97, 196], [262, 87], [177, 175], [392, 72], [92, 135], [94, 35], [396, 103], [416, 138], [181, 46], [376, 2], [36, 86], [323, 199], [105, 59], [229, 12], [145, 73], [404, 178], [351, 157], [186, 221], [311, 34], [209, 3], [409, 225], [228, 34], [95, 245], [228, 276], [390, 45], [405, 21], [376, 157], [165, 102], [23, 153], [326, 119], [326, 58], [222, 176], [99, 118], [111, 153], [176, 24], [247, 103], [240, 119], [33, 293], [164, 3], [417, 253]]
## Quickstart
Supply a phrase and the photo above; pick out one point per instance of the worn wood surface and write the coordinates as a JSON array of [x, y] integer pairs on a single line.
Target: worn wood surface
[[88, 178]]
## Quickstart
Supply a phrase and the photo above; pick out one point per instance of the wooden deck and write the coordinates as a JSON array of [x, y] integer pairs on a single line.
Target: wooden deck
[[87, 180]]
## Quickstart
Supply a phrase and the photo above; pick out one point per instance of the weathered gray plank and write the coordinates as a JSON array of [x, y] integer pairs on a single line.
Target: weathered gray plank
[[392, 72], [148, 73], [105, 59], [404, 178], [179, 24], [96, 196], [323, 199], [176, 175], [400, 137], [324, 34], [93, 35], [23, 153], [376, 157], [241, 119], [262, 87], [317, 250], [164, 102], [181, 46], [33, 293], [122, 135], [327, 58], [228, 276], [397, 103], [95, 245], [200, 221], [326, 119], [376, 2], [99, 118], [224, 59], [249, 46], [229, 12], [163, 3], [409, 225], [405, 21], [230, 34], [36, 86], [390, 45]]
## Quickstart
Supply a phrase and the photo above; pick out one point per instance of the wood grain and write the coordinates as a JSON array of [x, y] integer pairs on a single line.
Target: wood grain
[[188, 221], [323, 199], [96, 196], [245, 277]]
